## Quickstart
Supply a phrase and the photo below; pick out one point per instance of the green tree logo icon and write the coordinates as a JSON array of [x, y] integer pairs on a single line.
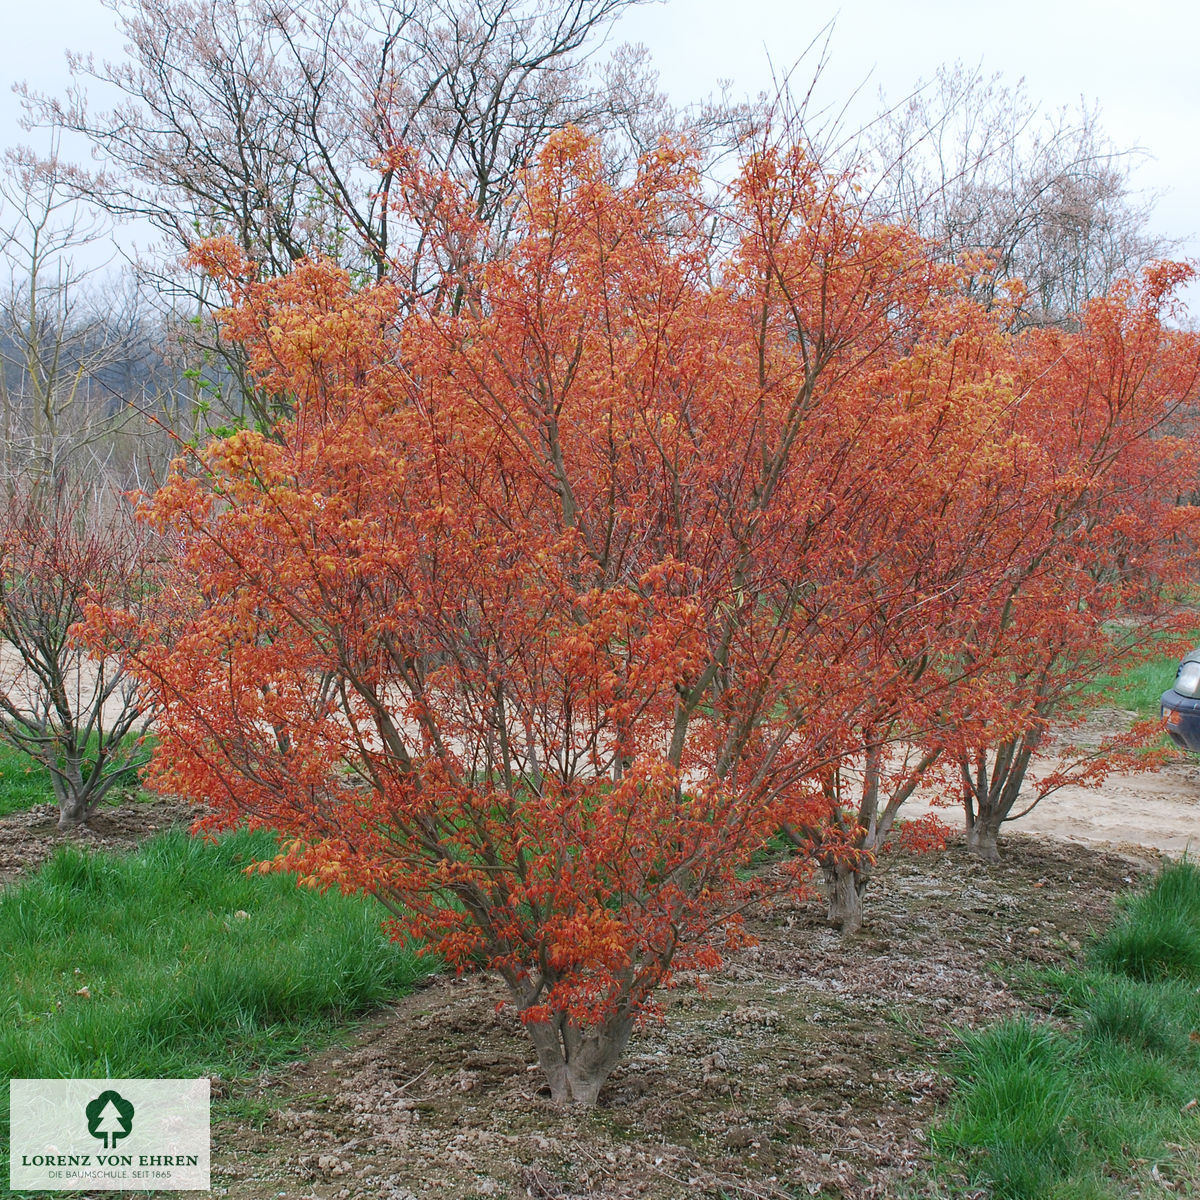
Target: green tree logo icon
[[109, 1116]]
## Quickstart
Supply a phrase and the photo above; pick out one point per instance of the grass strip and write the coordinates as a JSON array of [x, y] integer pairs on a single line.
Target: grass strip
[[1138, 688], [1102, 1102], [23, 782], [173, 962]]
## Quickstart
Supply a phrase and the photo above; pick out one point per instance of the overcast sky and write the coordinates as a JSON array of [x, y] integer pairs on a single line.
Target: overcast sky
[[1137, 60]]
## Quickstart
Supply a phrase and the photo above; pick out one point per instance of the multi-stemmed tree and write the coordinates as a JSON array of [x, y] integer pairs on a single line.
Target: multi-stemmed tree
[[74, 709], [572, 579]]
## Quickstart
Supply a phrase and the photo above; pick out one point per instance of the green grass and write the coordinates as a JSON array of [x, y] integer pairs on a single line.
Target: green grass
[[1016, 1107], [191, 967], [1157, 932], [1089, 1107], [23, 782], [1139, 687]]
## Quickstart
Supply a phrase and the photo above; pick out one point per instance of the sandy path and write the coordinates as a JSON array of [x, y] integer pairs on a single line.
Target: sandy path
[[1158, 810], [16, 682]]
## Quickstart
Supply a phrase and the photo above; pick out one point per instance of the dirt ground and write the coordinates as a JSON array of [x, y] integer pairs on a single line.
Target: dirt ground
[[809, 1066], [28, 838]]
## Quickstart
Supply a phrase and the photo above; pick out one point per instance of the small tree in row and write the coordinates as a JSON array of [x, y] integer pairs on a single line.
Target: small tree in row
[[1096, 551], [1113, 408], [78, 713]]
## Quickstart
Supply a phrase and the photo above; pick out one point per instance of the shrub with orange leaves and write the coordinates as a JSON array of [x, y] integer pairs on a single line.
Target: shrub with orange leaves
[[560, 592]]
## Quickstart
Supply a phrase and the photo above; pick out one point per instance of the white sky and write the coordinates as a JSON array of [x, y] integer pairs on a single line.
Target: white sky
[[1136, 58]]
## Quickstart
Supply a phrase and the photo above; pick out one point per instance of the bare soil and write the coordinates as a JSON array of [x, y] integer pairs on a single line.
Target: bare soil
[[28, 838], [809, 1066]]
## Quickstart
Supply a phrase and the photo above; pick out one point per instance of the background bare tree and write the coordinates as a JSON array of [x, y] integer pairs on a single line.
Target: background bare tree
[[977, 167], [77, 356], [273, 120]]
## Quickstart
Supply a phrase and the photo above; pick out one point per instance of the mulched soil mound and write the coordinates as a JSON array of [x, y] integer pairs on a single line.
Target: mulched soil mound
[[30, 837], [809, 1066]]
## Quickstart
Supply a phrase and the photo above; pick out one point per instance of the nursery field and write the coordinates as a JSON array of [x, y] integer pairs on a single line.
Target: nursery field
[[813, 1065]]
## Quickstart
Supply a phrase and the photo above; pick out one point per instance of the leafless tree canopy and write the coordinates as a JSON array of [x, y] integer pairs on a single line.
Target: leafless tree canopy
[[271, 119], [77, 351], [977, 167]]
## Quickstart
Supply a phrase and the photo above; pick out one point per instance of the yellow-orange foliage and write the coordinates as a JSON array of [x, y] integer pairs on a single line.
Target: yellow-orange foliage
[[569, 577]]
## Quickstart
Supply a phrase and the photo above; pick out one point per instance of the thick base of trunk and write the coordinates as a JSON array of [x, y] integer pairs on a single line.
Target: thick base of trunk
[[982, 838], [71, 816], [578, 1059], [844, 888]]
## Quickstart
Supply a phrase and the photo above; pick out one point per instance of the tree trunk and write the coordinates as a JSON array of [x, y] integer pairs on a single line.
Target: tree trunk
[[72, 811], [991, 790], [69, 791], [982, 836], [844, 888], [578, 1059]]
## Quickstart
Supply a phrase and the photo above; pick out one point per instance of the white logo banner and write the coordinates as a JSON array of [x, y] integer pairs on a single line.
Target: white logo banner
[[109, 1134]]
